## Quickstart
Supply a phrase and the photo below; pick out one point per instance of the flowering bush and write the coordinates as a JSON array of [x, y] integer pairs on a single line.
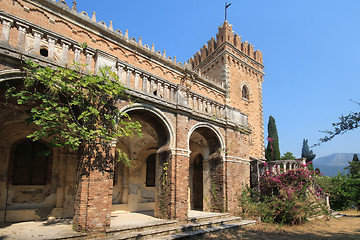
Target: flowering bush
[[285, 198]]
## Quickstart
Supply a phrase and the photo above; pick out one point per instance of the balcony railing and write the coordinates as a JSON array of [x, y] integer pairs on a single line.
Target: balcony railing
[[33, 41]]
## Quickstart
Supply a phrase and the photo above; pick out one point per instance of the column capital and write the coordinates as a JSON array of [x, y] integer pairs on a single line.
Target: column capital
[[137, 72], [51, 38], [129, 69], [37, 33], [65, 43], [5, 20], [144, 75], [89, 53], [78, 48], [120, 65], [22, 26]]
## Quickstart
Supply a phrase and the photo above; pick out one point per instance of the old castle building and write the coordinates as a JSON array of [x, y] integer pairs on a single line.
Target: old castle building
[[203, 119]]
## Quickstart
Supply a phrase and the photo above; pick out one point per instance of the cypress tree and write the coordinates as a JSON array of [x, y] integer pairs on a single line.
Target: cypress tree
[[355, 158], [308, 154], [354, 166], [272, 152]]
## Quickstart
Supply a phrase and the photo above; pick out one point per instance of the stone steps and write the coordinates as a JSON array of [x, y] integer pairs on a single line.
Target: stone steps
[[206, 230], [337, 214], [194, 226], [136, 229]]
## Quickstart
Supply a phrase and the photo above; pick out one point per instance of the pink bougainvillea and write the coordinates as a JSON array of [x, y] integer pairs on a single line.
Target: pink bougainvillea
[[284, 197]]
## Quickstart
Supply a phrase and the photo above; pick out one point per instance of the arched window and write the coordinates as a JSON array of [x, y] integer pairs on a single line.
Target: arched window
[[245, 92], [30, 163], [44, 52], [150, 170]]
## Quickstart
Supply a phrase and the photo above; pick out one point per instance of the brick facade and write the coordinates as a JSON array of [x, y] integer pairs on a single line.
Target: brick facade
[[191, 112]]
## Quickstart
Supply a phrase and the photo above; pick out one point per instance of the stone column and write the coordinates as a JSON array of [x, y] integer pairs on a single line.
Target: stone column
[[137, 76], [128, 77], [37, 40], [172, 93], [89, 57], [166, 91], [51, 46], [22, 29], [158, 89], [201, 104], [65, 52], [212, 109], [5, 33], [145, 83], [78, 51], [120, 70], [151, 87]]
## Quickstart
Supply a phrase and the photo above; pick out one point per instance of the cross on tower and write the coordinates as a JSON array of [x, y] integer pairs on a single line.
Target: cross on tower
[[226, 6]]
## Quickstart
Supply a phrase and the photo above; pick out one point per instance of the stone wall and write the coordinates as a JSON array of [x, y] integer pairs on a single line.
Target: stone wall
[[186, 110]]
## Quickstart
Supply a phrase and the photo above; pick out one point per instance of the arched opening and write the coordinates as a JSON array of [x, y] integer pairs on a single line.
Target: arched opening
[[196, 171], [245, 92], [44, 52], [135, 186], [205, 175], [30, 189], [30, 165]]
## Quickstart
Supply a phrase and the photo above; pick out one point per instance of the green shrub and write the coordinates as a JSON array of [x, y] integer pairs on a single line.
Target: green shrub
[[344, 190], [286, 198]]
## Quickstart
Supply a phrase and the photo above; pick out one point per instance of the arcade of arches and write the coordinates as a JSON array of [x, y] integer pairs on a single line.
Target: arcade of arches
[[34, 186]]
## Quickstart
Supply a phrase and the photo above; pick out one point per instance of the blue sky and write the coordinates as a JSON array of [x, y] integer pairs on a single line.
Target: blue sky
[[311, 54]]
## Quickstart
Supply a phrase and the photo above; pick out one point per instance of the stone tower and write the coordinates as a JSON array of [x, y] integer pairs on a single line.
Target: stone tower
[[240, 70]]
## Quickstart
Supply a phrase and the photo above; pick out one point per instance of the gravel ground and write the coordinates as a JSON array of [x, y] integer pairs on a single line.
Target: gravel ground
[[347, 227]]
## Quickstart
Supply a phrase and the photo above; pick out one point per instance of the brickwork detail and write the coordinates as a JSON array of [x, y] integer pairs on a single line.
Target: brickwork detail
[[191, 110], [93, 197]]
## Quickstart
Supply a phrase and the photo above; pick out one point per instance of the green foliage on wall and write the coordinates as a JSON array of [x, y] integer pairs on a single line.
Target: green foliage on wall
[[74, 108]]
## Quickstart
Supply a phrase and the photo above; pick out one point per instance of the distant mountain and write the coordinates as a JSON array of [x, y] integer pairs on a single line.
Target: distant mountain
[[331, 164]]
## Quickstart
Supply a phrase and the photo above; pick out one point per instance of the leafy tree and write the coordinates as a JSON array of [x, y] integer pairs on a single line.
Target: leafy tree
[[272, 152], [354, 166], [346, 123], [73, 108], [308, 154], [288, 156], [344, 190], [77, 109]]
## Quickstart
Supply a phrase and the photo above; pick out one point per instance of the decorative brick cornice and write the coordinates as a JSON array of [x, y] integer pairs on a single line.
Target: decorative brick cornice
[[219, 53]]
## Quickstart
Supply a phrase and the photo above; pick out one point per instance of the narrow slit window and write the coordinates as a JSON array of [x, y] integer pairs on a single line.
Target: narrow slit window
[[245, 93]]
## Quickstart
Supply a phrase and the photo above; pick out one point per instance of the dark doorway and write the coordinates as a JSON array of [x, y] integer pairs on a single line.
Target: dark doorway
[[150, 170], [197, 199]]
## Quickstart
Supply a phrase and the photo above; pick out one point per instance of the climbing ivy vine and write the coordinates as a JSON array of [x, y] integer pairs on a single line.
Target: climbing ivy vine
[[74, 108]]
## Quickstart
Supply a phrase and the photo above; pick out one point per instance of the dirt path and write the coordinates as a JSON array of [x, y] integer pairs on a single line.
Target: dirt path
[[347, 227]]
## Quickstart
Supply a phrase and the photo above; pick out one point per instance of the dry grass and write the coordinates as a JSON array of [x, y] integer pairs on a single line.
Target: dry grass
[[347, 227]]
